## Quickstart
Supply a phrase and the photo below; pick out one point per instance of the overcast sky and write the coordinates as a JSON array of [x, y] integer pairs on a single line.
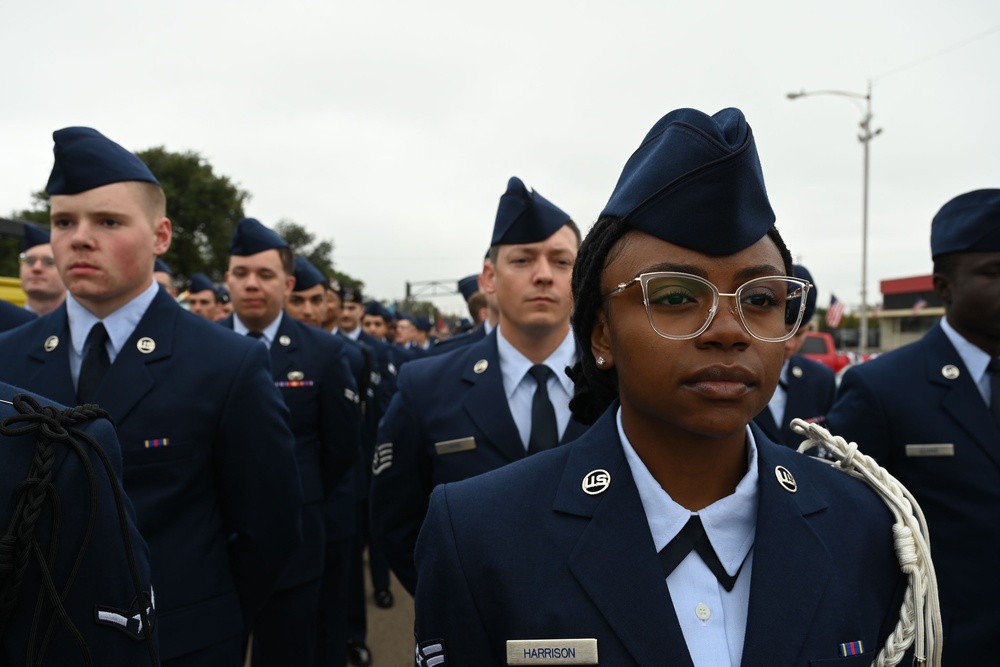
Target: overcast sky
[[391, 128]]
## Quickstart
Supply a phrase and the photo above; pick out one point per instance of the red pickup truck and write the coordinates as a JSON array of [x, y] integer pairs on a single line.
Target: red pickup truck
[[820, 347]]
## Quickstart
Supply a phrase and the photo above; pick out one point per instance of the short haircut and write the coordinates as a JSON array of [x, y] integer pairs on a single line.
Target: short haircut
[[287, 260]]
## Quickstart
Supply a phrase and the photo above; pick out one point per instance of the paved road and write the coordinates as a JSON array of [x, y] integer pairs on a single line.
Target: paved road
[[390, 631]]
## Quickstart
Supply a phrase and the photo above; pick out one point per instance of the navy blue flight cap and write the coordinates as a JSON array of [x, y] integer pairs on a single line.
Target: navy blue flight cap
[[468, 286], [34, 235], [307, 275], [421, 322], [696, 181], [162, 267], [200, 282], [525, 217], [251, 237], [222, 295], [351, 295], [792, 311], [968, 223], [376, 308], [86, 159]]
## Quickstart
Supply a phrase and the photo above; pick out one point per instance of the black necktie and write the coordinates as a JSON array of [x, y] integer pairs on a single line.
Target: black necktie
[[994, 368], [692, 536], [256, 334], [544, 432], [95, 364]]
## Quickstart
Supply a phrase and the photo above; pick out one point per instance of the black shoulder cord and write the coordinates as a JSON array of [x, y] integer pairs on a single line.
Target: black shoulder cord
[[19, 547]]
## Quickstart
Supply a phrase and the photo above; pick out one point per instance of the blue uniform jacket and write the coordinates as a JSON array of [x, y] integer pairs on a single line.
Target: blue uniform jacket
[[524, 553], [448, 421], [811, 388], [12, 317], [104, 580], [918, 412], [310, 370], [457, 342], [208, 455]]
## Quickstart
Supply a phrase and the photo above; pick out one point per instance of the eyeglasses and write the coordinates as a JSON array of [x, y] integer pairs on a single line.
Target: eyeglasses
[[681, 306], [30, 260]]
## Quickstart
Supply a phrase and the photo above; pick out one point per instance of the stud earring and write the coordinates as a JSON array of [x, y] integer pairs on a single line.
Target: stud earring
[[600, 361]]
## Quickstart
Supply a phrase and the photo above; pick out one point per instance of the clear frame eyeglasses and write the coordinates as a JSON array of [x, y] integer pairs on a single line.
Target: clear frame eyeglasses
[[681, 306], [31, 260]]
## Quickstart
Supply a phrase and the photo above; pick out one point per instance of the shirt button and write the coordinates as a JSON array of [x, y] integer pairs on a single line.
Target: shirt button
[[702, 611]]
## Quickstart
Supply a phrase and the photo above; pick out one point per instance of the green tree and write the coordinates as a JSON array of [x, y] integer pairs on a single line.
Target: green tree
[[203, 207], [319, 252]]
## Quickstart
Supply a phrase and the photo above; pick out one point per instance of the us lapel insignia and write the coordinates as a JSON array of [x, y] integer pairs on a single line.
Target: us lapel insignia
[[480, 366], [295, 376], [796, 371], [145, 345], [950, 372], [285, 340], [785, 479], [596, 481], [51, 343]]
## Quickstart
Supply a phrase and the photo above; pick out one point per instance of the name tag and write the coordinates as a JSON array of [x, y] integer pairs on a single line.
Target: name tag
[[552, 652], [934, 449], [452, 446]]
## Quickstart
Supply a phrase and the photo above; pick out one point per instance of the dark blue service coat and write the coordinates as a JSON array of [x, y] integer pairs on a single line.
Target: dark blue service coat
[[456, 342], [524, 553], [104, 582], [317, 385], [811, 388], [448, 421], [918, 412], [209, 460], [12, 317]]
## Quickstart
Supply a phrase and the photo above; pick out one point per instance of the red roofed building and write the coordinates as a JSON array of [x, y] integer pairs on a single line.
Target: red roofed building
[[910, 307]]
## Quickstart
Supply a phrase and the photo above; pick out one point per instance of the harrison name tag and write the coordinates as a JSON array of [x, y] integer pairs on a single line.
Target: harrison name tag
[[934, 449], [552, 652], [452, 446]]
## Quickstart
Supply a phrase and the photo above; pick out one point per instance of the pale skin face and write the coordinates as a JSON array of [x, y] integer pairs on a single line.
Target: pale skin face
[[40, 279], [795, 343], [102, 240], [203, 303], [405, 332], [167, 282], [531, 283], [308, 306], [350, 316], [258, 286]]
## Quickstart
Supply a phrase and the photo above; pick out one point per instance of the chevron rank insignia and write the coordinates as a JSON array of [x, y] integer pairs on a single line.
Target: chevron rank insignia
[[129, 622], [383, 458], [431, 654]]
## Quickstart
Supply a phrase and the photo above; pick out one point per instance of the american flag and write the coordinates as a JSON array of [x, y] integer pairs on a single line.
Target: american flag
[[919, 305], [834, 313]]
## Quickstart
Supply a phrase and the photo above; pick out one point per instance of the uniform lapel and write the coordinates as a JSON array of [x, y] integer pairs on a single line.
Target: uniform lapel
[[282, 353], [615, 560], [129, 379], [486, 403], [960, 398], [791, 564], [51, 376], [765, 420]]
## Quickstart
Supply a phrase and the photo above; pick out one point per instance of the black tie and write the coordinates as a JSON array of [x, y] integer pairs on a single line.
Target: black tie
[[95, 364], [995, 389], [544, 432], [692, 536], [256, 334]]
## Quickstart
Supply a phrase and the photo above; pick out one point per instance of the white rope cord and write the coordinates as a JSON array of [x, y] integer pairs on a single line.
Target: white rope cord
[[920, 616]]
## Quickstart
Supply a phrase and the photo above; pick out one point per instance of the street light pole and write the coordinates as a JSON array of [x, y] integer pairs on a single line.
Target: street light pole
[[865, 138]]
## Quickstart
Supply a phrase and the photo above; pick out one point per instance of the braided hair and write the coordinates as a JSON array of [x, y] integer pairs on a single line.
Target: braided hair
[[596, 388]]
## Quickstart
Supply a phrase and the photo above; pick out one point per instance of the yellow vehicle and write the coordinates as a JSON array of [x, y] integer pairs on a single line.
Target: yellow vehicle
[[10, 290]]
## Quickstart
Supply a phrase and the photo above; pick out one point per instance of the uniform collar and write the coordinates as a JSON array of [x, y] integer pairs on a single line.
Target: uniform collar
[[730, 522], [119, 324], [514, 366], [975, 359], [270, 331]]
